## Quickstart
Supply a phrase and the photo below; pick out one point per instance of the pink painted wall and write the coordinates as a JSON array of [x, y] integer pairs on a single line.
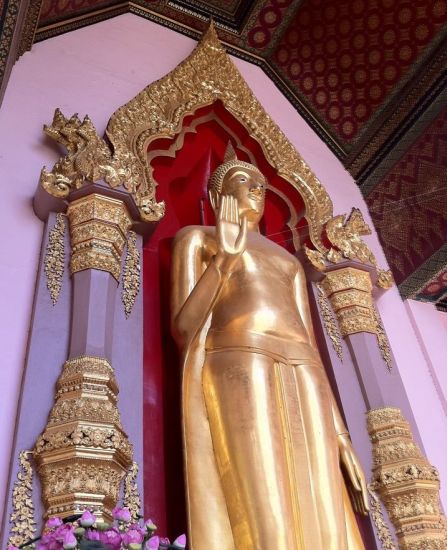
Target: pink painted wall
[[95, 70], [430, 327]]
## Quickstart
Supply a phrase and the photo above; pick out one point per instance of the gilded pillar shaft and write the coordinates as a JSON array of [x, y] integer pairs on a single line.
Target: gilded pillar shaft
[[83, 453]]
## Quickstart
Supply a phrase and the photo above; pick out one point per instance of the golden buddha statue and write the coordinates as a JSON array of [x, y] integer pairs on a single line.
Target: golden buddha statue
[[263, 437]]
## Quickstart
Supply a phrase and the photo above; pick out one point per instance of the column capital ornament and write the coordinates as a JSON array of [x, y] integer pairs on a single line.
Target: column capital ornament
[[98, 229], [406, 482], [349, 291], [83, 453]]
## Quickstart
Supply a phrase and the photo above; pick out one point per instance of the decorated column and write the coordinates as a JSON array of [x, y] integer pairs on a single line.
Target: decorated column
[[403, 478], [84, 453]]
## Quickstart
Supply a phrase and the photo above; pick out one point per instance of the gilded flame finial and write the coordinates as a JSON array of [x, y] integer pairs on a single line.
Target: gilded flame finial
[[230, 161], [211, 37], [230, 153]]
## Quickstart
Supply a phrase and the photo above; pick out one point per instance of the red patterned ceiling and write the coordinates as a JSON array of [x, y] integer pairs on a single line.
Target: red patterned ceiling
[[346, 56], [53, 10], [409, 206]]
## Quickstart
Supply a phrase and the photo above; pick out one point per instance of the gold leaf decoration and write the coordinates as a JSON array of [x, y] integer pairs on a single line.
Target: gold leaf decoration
[[87, 153], [98, 228], [382, 340], [346, 236], [330, 322], [55, 258], [349, 292], [386, 279], [131, 499], [23, 525], [315, 258], [382, 530], [131, 274]]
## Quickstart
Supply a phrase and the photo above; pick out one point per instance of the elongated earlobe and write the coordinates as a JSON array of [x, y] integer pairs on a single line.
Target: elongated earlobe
[[214, 199]]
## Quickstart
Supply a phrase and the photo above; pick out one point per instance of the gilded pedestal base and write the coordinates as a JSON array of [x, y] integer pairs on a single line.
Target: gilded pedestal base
[[83, 453], [408, 485]]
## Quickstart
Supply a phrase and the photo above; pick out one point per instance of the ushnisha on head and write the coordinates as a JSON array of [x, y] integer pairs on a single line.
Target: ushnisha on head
[[241, 180]]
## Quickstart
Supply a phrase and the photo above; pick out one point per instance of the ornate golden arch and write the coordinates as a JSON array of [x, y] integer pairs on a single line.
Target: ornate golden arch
[[205, 76]]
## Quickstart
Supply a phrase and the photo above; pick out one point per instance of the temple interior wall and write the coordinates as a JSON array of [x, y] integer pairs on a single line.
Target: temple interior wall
[[94, 71]]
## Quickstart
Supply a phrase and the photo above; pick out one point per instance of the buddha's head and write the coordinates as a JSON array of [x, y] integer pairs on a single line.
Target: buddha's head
[[241, 180]]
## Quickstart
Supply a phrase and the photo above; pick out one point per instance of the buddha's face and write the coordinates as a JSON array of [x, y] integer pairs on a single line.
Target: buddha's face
[[248, 187]]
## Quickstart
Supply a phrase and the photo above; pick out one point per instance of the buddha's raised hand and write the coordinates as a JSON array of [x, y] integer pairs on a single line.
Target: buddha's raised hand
[[231, 232]]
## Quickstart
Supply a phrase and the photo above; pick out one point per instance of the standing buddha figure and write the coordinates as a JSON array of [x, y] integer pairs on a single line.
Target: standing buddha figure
[[264, 442]]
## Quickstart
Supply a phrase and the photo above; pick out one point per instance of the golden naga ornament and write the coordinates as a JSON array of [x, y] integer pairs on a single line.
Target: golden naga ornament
[[345, 238], [90, 159], [264, 442]]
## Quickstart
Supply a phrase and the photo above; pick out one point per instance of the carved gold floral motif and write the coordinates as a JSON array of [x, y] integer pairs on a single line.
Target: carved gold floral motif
[[23, 525], [131, 498], [83, 453], [382, 339], [55, 258], [98, 227], [131, 274], [382, 530], [330, 322], [75, 485], [407, 484]]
